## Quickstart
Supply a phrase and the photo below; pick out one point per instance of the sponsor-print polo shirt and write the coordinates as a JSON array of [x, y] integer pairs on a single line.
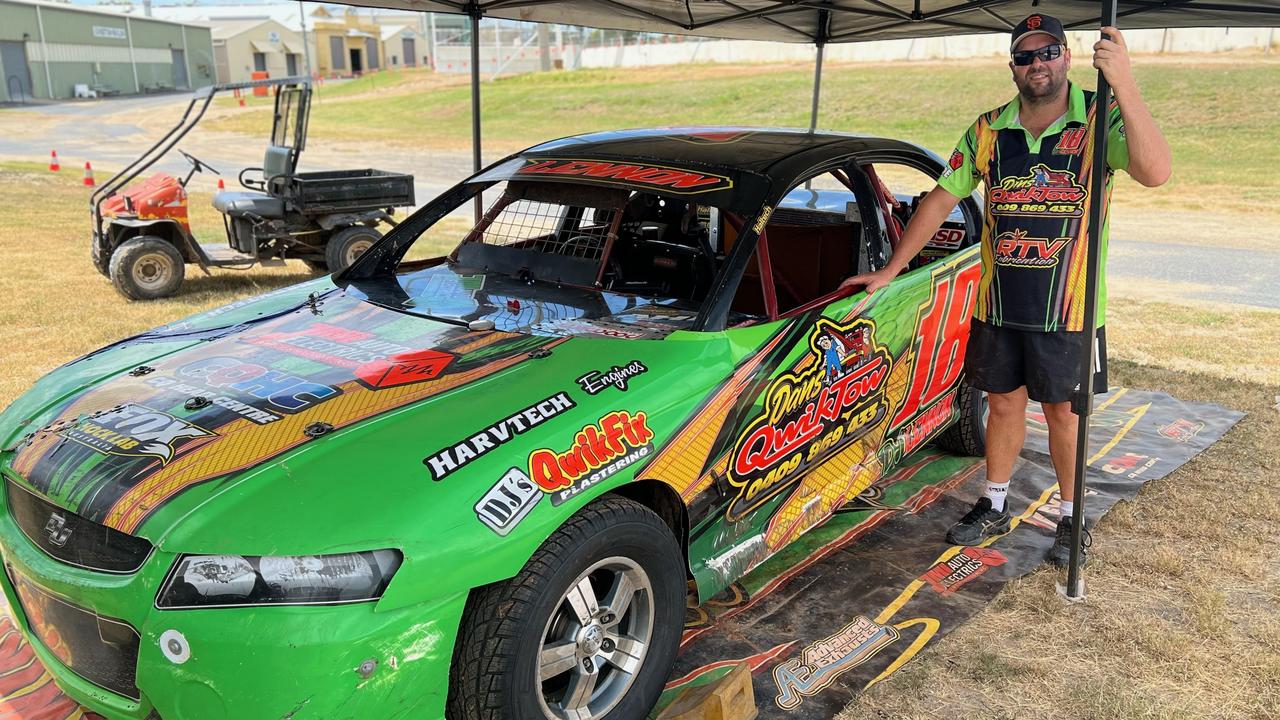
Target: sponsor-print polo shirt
[[1036, 217]]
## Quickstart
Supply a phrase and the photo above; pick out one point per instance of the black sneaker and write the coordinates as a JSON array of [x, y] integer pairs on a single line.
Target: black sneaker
[[1060, 553], [979, 524]]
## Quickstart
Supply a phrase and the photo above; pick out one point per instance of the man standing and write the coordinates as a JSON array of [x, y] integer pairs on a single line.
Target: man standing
[[1026, 337]]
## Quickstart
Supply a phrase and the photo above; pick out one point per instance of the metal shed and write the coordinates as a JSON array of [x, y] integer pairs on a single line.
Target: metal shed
[[49, 50]]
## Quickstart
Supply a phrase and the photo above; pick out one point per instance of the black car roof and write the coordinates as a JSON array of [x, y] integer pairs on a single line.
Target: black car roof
[[751, 149]]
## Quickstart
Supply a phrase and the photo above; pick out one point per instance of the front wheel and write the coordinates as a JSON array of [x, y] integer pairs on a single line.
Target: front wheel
[[146, 267], [348, 244], [587, 630]]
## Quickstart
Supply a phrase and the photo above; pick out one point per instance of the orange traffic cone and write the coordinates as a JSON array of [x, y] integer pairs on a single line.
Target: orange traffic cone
[[88, 174], [53, 161], [241, 101], [221, 185]]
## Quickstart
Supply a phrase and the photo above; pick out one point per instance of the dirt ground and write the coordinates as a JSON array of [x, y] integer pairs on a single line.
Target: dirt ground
[[1182, 617]]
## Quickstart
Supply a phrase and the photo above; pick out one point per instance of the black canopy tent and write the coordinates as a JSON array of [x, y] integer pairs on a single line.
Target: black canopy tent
[[839, 21]]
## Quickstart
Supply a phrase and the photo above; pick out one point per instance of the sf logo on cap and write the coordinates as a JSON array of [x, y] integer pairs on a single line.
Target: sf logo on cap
[[1033, 22]]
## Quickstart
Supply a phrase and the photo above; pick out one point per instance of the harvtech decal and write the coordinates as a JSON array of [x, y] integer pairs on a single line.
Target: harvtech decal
[[673, 180], [597, 451], [810, 412], [819, 664], [122, 491], [450, 459], [1044, 192]]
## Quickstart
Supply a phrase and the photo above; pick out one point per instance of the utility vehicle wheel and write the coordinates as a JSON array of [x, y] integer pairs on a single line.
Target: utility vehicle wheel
[[587, 630], [348, 244], [968, 436], [146, 268]]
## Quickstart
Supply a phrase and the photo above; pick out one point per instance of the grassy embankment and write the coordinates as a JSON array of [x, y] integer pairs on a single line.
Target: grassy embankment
[[1220, 114]]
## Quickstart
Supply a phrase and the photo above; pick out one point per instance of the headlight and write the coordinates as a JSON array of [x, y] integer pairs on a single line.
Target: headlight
[[232, 580]]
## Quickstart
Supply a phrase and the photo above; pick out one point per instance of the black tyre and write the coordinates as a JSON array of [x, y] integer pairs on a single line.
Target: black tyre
[[587, 630], [146, 268], [100, 261], [968, 435], [347, 244]]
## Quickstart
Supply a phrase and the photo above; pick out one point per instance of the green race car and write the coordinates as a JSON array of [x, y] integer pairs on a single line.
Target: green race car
[[481, 485]]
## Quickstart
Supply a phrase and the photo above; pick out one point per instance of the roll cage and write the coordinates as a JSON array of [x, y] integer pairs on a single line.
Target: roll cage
[[879, 229]]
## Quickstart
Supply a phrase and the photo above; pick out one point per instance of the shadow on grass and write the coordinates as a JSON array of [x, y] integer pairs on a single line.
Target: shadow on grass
[[230, 282]]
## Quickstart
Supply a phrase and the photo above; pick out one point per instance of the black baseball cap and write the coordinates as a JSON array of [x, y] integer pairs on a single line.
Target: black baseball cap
[[1038, 23]]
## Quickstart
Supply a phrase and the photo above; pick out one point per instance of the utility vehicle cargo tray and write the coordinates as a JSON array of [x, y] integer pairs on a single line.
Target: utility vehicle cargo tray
[[348, 190]]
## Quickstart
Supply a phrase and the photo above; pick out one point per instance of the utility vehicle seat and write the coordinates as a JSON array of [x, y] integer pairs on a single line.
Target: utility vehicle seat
[[277, 166], [238, 203]]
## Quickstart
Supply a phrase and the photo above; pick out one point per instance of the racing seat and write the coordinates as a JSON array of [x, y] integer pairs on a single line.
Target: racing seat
[[278, 166]]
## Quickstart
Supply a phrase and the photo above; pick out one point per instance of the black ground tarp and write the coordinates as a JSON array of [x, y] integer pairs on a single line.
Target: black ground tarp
[[852, 601]]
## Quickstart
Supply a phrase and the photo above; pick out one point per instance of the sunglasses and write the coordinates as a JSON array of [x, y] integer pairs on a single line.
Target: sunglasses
[[1046, 53]]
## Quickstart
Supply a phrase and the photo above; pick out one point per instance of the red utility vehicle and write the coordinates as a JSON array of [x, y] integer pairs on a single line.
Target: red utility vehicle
[[142, 237]]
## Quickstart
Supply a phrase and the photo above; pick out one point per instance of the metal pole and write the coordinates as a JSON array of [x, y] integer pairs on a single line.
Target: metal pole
[[824, 31], [431, 40], [306, 49], [128, 31], [475, 101], [186, 55], [817, 88], [44, 50], [1083, 400]]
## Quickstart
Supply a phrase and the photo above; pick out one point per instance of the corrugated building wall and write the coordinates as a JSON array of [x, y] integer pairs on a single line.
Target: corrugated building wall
[[64, 46]]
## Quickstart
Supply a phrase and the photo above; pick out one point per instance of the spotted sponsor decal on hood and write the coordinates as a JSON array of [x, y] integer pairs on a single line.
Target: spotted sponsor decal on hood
[[124, 447]]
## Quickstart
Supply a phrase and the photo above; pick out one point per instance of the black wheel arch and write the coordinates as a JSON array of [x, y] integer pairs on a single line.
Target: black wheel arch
[[666, 503], [121, 232]]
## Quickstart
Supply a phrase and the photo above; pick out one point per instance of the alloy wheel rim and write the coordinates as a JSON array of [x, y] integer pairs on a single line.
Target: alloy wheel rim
[[595, 641]]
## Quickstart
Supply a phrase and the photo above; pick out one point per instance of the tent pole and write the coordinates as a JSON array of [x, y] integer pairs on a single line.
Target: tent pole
[[474, 12], [1082, 402], [824, 27], [817, 88]]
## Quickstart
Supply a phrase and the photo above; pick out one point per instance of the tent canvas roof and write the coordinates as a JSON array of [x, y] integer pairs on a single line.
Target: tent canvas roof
[[811, 21]]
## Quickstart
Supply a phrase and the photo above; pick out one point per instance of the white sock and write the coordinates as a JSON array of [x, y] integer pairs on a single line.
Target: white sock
[[996, 492], [1068, 507]]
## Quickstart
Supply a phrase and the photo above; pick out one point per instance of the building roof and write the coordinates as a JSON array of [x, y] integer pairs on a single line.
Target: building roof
[[108, 10], [223, 29], [389, 32], [284, 13]]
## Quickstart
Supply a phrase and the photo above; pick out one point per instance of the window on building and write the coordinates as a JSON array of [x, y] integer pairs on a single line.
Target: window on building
[[260, 62]]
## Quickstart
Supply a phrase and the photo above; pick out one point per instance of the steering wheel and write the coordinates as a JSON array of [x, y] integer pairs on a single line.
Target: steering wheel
[[584, 244], [197, 163]]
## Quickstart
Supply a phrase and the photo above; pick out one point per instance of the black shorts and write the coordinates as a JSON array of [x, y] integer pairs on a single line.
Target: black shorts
[[1001, 360]]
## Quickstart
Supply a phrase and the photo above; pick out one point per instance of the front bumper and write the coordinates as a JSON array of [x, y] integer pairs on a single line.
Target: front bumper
[[330, 662]]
